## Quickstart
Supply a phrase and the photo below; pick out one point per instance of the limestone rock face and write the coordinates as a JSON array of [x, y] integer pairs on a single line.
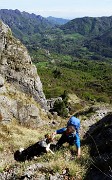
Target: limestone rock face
[[17, 68], [16, 105], [21, 93]]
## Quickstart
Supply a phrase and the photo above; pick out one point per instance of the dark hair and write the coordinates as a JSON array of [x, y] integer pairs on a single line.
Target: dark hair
[[71, 127]]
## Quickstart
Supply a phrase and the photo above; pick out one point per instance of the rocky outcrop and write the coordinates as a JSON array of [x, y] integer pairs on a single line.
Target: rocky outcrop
[[50, 102], [92, 115], [16, 66], [17, 105], [99, 138], [21, 93]]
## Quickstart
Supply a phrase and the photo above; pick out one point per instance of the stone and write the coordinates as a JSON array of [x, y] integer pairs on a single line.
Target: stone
[[50, 102], [2, 81]]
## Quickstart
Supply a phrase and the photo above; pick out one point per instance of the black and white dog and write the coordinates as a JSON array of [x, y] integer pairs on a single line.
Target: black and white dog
[[34, 150]]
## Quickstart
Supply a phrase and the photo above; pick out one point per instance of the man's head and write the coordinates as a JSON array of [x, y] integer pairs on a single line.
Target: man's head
[[70, 129]]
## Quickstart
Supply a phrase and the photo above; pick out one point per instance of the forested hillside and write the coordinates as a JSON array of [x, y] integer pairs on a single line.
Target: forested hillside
[[102, 44], [88, 26]]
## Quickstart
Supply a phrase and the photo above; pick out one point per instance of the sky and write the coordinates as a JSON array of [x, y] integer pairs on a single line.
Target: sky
[[68, 9]]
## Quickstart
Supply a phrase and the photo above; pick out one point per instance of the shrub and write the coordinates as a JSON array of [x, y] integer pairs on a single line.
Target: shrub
[[60, 108], [65, 97]]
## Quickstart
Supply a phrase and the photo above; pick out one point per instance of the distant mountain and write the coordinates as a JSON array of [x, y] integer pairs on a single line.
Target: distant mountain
[[88, 26], [83, 38], [57, 21], [23, 24]]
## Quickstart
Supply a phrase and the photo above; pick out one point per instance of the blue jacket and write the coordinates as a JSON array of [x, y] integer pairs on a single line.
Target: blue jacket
[[73, 135]]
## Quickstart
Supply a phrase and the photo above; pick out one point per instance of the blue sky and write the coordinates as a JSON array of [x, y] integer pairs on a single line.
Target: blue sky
[[61, 8]]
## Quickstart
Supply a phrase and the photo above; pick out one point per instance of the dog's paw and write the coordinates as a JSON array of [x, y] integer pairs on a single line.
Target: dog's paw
[[35, 157]]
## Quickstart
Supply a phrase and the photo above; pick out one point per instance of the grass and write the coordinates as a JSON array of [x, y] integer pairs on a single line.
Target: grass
[[13, 136], [62, 161]]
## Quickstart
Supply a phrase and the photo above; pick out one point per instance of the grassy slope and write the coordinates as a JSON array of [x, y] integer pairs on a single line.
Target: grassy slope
[[14, 136]]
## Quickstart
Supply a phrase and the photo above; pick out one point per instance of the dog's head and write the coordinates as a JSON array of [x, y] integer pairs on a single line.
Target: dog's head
[[18, 154], [49, 138]]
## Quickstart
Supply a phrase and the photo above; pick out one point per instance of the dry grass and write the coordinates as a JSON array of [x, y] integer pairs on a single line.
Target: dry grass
[[14, 136], [19, 136]]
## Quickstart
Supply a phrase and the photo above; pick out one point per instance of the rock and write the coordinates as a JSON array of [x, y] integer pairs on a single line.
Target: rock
[[2, 81], [17, 68], [99, 138], [7, 106], [50, 102], [21, 92], [97, 114], [57, 176], [29, 115], [15, 105]]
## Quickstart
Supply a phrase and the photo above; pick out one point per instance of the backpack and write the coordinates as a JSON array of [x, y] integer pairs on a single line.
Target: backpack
[[73, 121]]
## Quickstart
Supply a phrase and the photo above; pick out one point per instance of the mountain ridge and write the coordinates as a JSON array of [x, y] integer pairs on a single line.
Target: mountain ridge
[[71, 38], [88, 25], [23, 23]]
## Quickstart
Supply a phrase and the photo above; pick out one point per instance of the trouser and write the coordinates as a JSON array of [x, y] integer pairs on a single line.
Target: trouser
[[64, 138]]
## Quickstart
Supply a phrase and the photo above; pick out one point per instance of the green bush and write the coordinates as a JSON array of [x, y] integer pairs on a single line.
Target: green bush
[[60, 108], [65, 97]]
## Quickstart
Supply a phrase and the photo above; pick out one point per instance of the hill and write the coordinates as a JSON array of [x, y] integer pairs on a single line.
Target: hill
[[88, 26], [64, 163]]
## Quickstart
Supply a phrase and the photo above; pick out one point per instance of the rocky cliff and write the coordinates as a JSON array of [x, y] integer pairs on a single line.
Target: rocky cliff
[[21, 93]]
